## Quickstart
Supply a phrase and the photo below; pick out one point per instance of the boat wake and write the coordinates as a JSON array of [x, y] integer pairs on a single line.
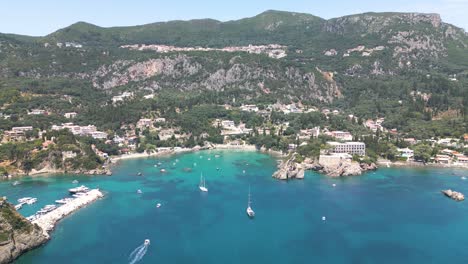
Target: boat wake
[[138, 253]]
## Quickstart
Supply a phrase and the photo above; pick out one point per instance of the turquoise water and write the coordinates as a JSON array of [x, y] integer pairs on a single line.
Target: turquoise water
[[388, 216]]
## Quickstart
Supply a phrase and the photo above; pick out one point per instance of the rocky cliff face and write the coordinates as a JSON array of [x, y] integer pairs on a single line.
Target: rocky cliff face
[[189, 73], [17, 235]]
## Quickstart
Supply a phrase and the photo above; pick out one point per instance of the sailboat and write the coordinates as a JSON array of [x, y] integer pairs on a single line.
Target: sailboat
[[202, 185], [250, 211]]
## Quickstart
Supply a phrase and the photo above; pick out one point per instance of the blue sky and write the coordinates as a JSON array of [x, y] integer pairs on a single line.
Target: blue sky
[[41, 17]]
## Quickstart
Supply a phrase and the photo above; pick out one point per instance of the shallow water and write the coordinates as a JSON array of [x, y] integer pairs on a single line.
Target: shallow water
[[389, 216]]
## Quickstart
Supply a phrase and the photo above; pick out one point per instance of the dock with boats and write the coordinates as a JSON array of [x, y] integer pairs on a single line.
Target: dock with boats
[[48, 219]]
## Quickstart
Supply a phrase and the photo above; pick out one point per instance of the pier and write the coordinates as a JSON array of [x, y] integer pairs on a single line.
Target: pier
[[47, 221]]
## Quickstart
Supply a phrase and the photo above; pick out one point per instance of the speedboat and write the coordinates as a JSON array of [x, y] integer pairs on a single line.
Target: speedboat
[[158, 205], [250, 211], [202, 185], [147, 242], [139, 191], [80, 189], [162, 170], [139, 174]]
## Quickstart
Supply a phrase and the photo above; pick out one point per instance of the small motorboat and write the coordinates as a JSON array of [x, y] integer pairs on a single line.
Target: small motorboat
[[209, 158], [202, 185], [139, 191], [139, 174], [217, 156], [80, 189], [250, 211], [334, 185], [147, 242], [158, 205], [31, 201], [18, 206], [75, 182], [324, 218], [16, 183], [463, 178], [163, 170]]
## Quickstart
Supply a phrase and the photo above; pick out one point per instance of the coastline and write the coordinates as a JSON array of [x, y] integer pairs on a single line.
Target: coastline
[[413, 164], [245, 147]]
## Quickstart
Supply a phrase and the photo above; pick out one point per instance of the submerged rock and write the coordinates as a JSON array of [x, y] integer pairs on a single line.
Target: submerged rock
[[457, 196], [17, 235]]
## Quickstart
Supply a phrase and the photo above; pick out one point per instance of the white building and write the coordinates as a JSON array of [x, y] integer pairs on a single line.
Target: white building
[[122, 97], [144, 122], [352, 148], [68, 155], [249, 108], [70, 115], [160, 120], [341, 135], [406, 152], [98, 135], [228, 124], [37, 112]]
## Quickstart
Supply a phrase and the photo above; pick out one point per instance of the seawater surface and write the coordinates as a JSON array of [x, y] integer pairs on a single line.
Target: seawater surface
[[393, 215]]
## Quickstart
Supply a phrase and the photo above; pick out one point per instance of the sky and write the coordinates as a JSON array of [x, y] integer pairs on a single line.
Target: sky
[[42, 17]]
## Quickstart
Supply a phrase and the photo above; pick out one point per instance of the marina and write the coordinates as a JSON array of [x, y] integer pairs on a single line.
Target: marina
[[51, 214]]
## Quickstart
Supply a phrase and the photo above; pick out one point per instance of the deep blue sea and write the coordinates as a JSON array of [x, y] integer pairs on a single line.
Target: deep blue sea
[[393, 215]]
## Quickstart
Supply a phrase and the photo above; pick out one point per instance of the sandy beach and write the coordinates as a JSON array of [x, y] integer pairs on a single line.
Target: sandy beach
[[171, 151]]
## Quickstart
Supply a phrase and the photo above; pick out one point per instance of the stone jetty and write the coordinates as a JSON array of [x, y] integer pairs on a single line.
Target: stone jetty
[[457, 196], [47, 221]]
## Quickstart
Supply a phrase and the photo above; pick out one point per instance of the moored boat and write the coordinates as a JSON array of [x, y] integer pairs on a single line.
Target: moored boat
[[250, 211], [80, 189]]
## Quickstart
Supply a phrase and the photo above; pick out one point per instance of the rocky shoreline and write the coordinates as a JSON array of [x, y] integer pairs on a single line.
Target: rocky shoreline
[[290, 169], [17, 235]]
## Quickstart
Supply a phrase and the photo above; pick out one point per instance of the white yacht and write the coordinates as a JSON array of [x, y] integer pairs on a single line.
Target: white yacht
[[47, 208], [24, 199], [64, 200], [147, 242], [202, 185], [250, 211], [78, 195], [31, 201], [80, 189]]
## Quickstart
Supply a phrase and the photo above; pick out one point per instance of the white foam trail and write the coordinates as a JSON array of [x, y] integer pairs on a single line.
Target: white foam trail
[[138, 254]]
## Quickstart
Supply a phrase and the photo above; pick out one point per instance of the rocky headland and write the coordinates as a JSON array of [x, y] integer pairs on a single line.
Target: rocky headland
[[17, 235], [290, 168]]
